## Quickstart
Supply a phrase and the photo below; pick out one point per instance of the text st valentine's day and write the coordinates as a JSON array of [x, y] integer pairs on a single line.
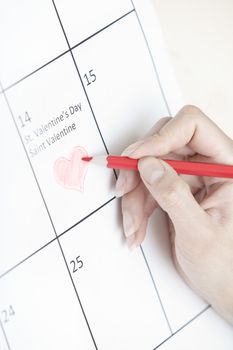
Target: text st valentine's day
[[38, 138]]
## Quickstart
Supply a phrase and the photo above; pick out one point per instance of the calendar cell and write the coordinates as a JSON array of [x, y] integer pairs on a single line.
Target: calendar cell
[[25, 225], [39, 308], [180, 303], [114, 284], [130, 100], [25, 41], [80, 22], [58, 129]]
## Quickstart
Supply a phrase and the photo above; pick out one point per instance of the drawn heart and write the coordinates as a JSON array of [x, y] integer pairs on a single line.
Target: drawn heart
[[70, 173]]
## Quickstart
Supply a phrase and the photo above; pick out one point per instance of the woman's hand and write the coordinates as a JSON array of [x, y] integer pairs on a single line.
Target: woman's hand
[[199, 209]]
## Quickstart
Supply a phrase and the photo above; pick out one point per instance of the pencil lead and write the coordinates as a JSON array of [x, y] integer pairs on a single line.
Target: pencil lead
[[86, 159]]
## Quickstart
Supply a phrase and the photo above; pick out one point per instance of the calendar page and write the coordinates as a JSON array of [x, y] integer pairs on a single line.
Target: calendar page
[[83, 78]]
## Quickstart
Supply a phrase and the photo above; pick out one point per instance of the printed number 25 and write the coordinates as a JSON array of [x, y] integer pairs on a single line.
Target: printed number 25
[[76, 264], [90, 77]]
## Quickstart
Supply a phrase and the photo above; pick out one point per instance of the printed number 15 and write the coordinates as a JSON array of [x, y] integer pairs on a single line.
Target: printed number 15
[[90, 77]]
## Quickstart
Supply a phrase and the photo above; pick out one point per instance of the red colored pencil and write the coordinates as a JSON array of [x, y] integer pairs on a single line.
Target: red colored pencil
[[180, 166]]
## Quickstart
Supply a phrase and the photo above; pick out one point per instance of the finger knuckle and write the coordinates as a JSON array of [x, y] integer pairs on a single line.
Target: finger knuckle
[[164, 120], [190, 110], [192, 114]]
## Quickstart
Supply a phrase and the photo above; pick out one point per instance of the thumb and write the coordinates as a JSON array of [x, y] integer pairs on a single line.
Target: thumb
[[172, 194]]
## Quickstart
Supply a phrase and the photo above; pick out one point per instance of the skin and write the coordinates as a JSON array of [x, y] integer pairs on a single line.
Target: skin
[[199, 209]]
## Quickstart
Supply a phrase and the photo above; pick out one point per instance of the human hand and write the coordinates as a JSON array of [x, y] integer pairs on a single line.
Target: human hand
[[199, 209]]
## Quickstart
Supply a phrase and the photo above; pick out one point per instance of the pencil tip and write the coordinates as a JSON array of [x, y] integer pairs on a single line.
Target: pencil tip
[[86, 159]]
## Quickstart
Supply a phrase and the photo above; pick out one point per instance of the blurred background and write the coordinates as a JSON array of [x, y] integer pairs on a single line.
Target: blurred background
[[198, 35]]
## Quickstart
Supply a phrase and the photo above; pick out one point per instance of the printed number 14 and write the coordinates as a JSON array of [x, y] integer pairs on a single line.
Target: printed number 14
[[25, 119]]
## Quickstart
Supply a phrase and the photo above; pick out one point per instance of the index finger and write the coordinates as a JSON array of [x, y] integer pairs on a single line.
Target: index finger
[[192, 128]]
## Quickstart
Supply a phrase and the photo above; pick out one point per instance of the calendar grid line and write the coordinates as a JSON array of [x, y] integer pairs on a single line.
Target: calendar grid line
[[153, 62], [51, 221], [156, 290], [79, 74], [30, 163], [170, 114], [102, 29], [55, 238], [80, 303], [5, 336], [33, 72], [169, 111], [86, 217], [27, 257], [185, 325], [4, 89]]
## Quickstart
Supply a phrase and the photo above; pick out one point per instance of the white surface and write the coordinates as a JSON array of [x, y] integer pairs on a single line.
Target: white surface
[[198, 37], [202, 334], [26, 44]]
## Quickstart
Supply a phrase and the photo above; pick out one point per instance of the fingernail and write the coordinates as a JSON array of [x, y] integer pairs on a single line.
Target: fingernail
[[129, 150], [128, 224], [150, 169], [120, 186], [131, 242]]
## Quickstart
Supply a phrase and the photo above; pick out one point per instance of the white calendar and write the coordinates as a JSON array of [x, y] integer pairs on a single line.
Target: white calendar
[[78, 78]]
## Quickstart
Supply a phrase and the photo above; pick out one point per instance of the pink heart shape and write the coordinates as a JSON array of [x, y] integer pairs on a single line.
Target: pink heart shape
[[70, 173]]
